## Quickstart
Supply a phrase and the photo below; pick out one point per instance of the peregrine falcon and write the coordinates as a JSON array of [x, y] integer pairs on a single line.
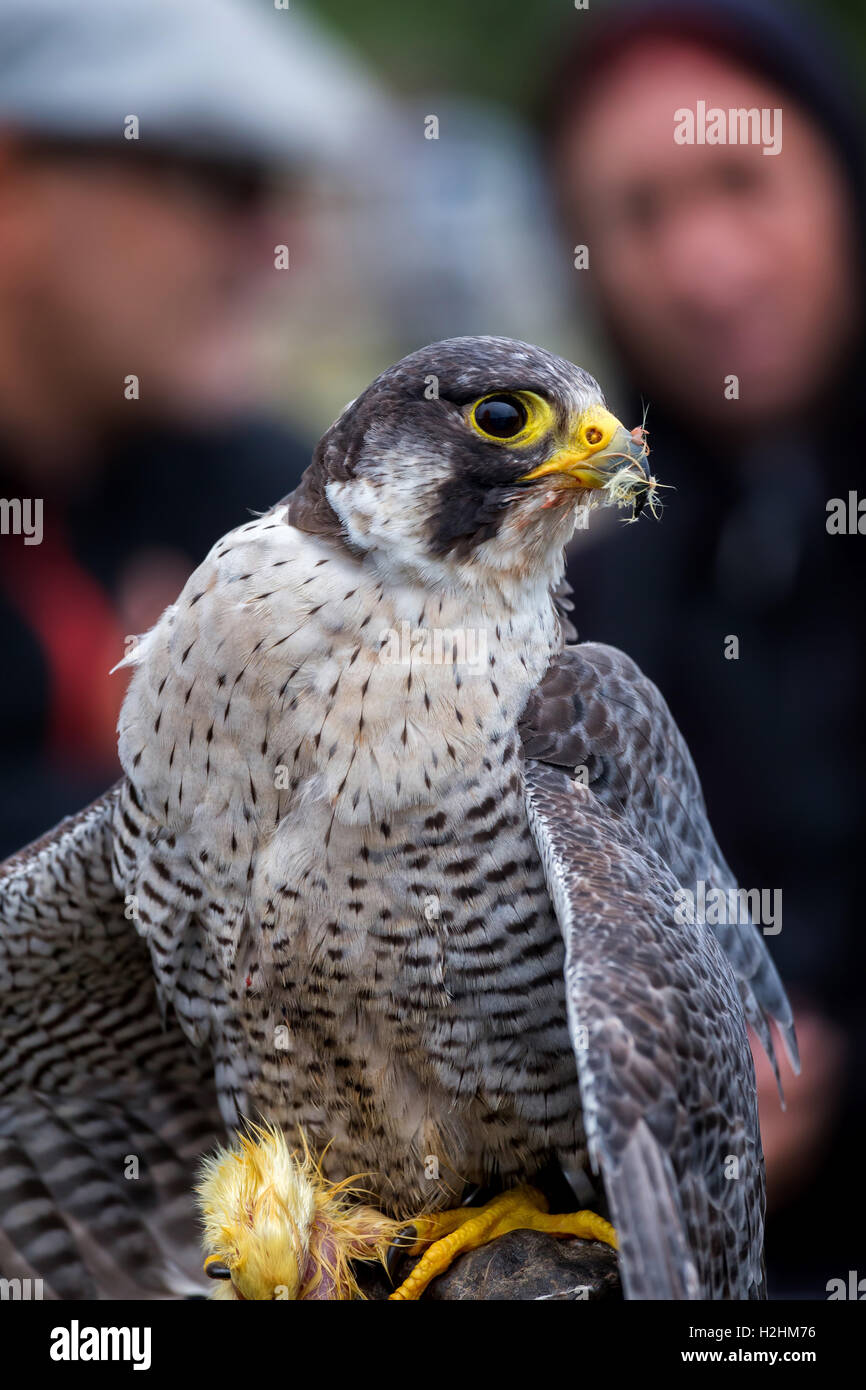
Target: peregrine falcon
[[398, 867]]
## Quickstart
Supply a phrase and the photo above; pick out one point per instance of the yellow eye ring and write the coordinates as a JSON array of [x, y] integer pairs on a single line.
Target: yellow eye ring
[[500, 417], [511, 417]]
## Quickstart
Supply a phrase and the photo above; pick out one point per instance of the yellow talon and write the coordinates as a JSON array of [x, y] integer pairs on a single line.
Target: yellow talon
[[448, 1234]]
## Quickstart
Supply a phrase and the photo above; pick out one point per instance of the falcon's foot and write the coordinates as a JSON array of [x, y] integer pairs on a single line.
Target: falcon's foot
[[448, 1234]]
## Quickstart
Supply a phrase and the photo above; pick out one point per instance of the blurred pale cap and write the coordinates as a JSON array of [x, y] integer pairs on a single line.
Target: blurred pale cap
[[233, 80]]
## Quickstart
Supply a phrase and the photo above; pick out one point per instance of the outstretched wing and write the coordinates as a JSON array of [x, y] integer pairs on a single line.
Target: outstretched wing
[[103, 1107], [666, 1076], [598, 716]]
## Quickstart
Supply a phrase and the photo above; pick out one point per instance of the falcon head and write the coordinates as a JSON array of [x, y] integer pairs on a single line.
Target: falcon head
[[471, 455]]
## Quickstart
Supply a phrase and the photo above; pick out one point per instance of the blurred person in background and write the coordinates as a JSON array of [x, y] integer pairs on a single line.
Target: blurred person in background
[[708, 261], [145, 258]]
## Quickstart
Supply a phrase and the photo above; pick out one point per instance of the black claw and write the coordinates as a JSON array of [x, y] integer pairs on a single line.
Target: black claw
[[408, 1236], [479, 1194]]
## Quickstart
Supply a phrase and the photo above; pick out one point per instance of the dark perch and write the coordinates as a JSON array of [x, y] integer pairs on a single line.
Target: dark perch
[[522, 1266]]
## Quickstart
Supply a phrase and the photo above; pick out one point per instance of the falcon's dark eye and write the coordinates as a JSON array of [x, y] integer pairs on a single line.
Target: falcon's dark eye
[[503, 417]]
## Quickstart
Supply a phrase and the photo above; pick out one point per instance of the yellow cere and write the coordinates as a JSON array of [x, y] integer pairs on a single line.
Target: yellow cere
[[593, 433]]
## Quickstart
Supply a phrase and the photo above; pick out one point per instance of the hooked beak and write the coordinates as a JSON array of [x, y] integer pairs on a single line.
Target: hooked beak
[[599, 449]]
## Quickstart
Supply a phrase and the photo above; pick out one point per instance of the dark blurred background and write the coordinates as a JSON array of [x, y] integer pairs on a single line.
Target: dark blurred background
[[187, 299]]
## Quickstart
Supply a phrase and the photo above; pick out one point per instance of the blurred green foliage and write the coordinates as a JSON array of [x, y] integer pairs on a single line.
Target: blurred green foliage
[[491, 49], [495, 50]]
